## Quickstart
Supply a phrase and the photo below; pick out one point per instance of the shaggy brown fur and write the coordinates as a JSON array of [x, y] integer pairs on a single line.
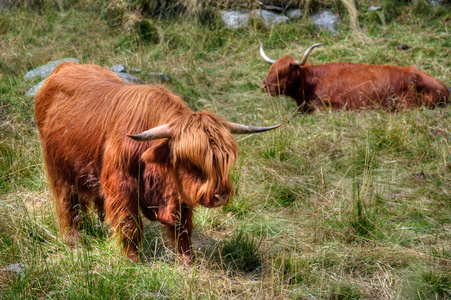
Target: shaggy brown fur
[[354, 86], [84, 113]]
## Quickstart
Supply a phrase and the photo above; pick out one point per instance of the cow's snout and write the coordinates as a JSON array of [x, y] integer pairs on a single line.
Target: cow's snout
[[264, 86], [220, 199], [268, 88]]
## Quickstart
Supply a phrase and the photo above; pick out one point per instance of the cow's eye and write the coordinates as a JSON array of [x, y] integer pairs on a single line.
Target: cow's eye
[[193, 169]]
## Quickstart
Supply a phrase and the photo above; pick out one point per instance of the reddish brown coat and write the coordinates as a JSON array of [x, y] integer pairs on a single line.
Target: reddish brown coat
[[84, 113], [354, 86]]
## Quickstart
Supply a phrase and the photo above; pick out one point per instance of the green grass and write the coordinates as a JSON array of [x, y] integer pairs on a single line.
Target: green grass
[[334, 205]]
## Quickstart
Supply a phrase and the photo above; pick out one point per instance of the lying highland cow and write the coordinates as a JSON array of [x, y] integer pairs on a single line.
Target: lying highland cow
[[98, 148], [351, 86]]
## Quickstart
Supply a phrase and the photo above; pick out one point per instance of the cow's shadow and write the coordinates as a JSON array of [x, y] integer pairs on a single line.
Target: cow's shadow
[[232, 253], [156, 245]]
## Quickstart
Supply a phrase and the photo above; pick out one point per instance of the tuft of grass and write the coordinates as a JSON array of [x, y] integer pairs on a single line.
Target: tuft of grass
[[362, 219], [345, 291], [240, 253], [428, 284]]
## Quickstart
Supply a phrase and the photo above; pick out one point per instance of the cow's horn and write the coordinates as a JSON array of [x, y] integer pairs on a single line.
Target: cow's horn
[[244, 129], [159, 132], [307, 52], [265, 58]]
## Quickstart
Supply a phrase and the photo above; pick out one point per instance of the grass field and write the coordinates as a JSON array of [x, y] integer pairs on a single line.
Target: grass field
[[333, 205]]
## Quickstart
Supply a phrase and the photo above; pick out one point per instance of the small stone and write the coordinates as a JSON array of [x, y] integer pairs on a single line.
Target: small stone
[[326, 20], [403, 47], [129, 78], [268, 17], [16, 268], [234, 19], [294, 14], [273, 8], [120, 68]]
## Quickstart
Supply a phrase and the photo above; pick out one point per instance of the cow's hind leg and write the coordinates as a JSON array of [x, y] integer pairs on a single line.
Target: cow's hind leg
[[71, 210]]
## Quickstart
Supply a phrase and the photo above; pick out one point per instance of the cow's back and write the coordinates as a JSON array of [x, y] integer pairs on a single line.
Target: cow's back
[[66, 79], [357, 86]]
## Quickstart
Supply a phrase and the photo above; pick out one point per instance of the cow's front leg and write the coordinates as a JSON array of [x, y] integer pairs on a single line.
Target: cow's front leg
[[122, 212], [180, 233]]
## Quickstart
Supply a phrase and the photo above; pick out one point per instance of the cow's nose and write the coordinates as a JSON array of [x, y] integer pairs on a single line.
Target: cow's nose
[[221, 199]]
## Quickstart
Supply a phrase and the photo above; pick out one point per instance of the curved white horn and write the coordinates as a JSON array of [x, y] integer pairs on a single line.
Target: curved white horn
[[159, 132], [265, 58], [244, 129], [307, 52]]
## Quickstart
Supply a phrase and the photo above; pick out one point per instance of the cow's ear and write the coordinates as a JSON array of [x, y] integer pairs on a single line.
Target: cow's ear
[[160, 154]]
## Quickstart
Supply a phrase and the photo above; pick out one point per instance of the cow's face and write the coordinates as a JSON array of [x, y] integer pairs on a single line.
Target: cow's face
[[203, 152], [196, 156], [280, 77]]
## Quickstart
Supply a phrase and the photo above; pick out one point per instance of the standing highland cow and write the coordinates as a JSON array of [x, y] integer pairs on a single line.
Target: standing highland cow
[[351, 86], [85, 115]]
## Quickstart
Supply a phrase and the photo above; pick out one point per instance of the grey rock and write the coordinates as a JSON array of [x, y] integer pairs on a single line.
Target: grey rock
[[16, 268], [129, 78], [33, 91], [294, 14], [120, 68], [374, 8], [234, 19], [273, 8], [136, 70], [45, 70], [268, 17], [5, 3], [159, 77], [435, 3], [326, 20]]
